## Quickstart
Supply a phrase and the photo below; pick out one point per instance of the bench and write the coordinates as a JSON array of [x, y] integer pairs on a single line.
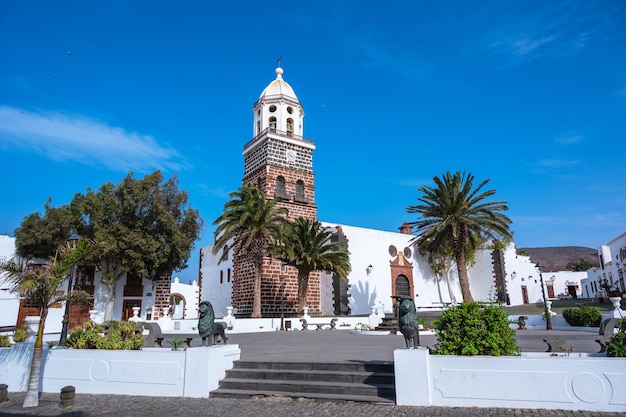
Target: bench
[[7, 329], [320, 325], [557, 342], [156, 338]]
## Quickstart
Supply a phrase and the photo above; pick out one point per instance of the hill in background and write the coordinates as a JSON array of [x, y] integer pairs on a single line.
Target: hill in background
[[556, 258]]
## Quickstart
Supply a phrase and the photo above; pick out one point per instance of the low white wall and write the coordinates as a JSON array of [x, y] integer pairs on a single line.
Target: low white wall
[[592, 383], [152, 372]]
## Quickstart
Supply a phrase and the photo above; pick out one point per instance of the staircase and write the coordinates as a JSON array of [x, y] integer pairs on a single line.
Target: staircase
[[389, 323], [364, 382]]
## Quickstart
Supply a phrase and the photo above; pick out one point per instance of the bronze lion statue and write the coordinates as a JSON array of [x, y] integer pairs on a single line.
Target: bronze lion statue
[[407, 322], [209, 330]]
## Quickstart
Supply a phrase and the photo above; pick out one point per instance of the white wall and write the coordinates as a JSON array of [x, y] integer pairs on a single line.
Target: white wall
[[614, 257], [9, 301], [537, 381], [219, 294], [191, 293]]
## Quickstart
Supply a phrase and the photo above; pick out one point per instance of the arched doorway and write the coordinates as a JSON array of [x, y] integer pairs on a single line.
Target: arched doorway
[[403, 287], [177, 306]]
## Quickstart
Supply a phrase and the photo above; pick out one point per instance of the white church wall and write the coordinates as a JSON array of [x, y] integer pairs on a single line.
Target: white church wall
[[370, 247], [216, 287]]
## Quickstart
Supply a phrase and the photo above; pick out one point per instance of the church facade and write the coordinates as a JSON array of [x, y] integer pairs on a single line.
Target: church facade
[[279, 160]]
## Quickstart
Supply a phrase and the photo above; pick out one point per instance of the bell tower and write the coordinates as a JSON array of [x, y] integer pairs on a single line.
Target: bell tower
[[279, 160]]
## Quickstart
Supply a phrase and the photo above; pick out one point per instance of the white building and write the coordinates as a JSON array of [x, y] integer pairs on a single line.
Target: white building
[[612, 261], [150, 296], [184, 299], [384, 264]]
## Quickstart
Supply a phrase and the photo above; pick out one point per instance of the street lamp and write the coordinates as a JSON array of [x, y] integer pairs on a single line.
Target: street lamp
[[66, 317], [282, 296], [545, 301]]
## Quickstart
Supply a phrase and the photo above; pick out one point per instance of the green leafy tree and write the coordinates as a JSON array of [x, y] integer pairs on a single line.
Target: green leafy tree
[[308, 246], [39, 283], [250, 224], [455, 214], [581, 265], [142, 226], [39, 236]]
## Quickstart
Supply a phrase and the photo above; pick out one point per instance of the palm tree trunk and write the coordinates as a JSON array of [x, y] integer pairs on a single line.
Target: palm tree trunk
[[256, 301], [303, 289], [461, 265], [459, 244], [32, 393]]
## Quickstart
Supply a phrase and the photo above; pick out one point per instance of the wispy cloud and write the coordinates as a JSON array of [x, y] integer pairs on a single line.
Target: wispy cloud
[[569, 138], [556, 29], [557, 163], [524, 44], [66, 137]]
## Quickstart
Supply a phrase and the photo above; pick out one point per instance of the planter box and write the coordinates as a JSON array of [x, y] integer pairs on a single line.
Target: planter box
[[157, 372], [594, 383]]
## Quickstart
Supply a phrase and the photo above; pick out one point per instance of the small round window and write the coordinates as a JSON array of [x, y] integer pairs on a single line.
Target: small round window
[[289, 109], [392, 250], [272, 108], [407, 252]]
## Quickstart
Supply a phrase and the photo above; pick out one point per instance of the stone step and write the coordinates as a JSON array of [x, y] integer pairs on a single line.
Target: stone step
[[363, 382], [308, 387], [316, 376]]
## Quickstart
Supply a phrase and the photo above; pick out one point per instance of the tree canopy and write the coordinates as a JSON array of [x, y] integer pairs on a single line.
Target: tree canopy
[[139, 226], [308, 246], [250, 224], [455, 214]]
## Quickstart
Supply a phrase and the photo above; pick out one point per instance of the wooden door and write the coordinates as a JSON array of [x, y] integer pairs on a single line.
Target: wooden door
[[550, 289], [525, 294], [127, 308]]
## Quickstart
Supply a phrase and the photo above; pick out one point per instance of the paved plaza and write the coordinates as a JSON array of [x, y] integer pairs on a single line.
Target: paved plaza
[[313, 346]]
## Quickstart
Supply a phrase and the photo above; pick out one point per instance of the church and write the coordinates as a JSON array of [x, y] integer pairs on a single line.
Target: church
[[279, 160]]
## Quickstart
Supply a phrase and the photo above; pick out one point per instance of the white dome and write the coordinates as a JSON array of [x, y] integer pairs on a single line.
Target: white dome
[[278, 87]]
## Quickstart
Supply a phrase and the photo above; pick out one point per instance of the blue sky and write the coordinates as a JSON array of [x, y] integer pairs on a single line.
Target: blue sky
[[530, 94]]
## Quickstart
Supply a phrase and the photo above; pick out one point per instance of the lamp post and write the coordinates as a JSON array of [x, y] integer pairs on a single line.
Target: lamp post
[[66, 317], [282, 296], [545, 301]]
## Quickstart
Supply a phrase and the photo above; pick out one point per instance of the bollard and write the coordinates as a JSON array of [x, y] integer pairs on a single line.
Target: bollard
[[3, 393], [67, 396]]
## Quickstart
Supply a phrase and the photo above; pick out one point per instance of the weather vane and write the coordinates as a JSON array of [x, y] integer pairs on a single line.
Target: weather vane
[[279, 58]]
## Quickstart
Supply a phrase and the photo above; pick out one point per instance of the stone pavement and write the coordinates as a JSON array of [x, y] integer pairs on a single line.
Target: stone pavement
[[127, 406], [312, 346]]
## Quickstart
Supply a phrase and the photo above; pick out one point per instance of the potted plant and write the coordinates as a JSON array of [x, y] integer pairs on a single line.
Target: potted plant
[[612, 290]]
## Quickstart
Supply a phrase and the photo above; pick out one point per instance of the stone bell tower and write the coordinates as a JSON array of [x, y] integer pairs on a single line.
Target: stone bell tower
[[279, 160]]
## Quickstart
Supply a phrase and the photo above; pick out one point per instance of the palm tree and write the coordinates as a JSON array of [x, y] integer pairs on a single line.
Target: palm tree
[[249, 224], [308, 246], [455, 214], [39, 283]]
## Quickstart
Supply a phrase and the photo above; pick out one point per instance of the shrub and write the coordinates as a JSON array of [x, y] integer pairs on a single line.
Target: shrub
[[582, 316], [21, 334], [616, 347], [4, 341], [114, 336], [474, 329]]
